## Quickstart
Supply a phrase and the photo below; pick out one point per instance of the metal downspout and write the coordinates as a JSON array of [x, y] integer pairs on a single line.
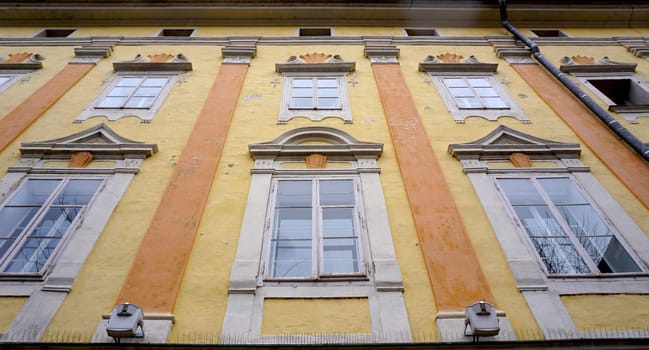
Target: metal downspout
[[601, 113]]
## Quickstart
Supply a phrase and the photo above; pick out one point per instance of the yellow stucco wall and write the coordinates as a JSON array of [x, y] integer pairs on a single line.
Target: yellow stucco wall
[[10, 307], [592, 313], [316, 316]]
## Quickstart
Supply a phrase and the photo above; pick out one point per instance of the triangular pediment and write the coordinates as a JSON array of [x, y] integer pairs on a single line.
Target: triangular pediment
[[503, 141], [100, 140]]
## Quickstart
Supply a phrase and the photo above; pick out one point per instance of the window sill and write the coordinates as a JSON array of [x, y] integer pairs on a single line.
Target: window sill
[[636, 283]]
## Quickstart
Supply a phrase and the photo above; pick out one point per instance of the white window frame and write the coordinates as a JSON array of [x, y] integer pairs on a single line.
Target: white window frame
[[20, 239], [483, 160], [342, 111], [144, 114], [594, 271], [382, 286], [629, 113], [316, 233], [12, 79], [460, 114]]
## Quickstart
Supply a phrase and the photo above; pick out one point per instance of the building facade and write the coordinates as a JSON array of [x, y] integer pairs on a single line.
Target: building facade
[[306, 173]]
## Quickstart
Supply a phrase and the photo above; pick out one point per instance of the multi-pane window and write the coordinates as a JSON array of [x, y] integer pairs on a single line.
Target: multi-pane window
[[35, 220], [134, 92], [314, 230], [474, 93], [6, 80], [568, 234], [315, 93]]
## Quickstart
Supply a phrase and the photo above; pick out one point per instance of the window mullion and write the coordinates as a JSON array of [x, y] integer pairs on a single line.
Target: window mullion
[[316, 243]]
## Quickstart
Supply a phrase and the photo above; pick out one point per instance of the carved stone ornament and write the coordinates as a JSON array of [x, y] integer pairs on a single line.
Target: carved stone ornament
[[316, 63], [454, 63], [155, 62], [583, 64], [316, 161], [80, 160], [520, 160], [22, 60]]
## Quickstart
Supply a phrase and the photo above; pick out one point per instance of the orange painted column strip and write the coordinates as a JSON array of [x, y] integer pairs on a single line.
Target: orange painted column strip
[[632, 171], [453, 267], [21, 117], [156, 274]]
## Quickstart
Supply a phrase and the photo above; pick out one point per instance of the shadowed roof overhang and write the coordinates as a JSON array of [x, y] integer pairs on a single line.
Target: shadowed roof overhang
[[549, 13]]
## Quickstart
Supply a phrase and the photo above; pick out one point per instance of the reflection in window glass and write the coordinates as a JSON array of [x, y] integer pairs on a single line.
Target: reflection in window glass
[[134, 92], [473, 93]]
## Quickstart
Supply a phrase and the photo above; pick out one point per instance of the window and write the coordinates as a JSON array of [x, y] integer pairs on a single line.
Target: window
[[183, 32], [549, 33], [138, 95], [473, 93], [6, 80], [568, 234], [314, 231], [315, 93], [55, 33], [624, 93], [38, 217], [421, 32], [315, 32]]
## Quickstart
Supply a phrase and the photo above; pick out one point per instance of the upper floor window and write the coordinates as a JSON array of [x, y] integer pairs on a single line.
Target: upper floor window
[[6, 80], [176, 32], [549, 33], [37, 219], [315, 87], [55, 33], [137, 92], [315, 230], [568, 233], [421, 32], [469, 88], [315, 32]]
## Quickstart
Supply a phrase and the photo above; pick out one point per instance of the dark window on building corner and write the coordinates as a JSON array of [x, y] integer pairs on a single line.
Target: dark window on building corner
[[314, 32], [623, 92], [549, 33], [55, 33], [176, 32], [421, 32]]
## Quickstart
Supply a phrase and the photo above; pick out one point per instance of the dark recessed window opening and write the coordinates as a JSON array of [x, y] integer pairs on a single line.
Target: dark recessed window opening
[[548, 33], [421, 32], [54, 33], [176, 32], [315, 32], [623, 92]]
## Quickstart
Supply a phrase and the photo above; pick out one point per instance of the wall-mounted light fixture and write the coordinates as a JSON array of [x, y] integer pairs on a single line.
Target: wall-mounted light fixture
[[126, 321], [481, 320]]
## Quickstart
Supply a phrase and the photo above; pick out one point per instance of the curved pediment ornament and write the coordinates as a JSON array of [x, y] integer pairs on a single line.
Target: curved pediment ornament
[[100, 141], [502, 142], [161, 62], [315, 62], [453, 63], [584, 64], [21, 60], [325, 141]]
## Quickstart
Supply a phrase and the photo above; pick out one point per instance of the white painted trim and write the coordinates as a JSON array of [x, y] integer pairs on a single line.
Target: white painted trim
[[631, 117], [286, 113]]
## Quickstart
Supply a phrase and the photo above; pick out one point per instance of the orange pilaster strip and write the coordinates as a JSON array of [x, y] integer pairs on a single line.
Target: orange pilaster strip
[[632, 171], [156, 274], [453, 267], [21, 117]]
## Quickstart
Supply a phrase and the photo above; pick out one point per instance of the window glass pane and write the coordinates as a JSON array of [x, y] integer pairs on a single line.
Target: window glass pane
[[304, 83], [33, 255], [608, 254], [486, 92], [340, 256], [583, 220], [538, 221], [55, 222], [290, 258], [34, 192], [328, 103], [336, 192], [149, 91], [461, 92], [301, 102], [292, 223], [337, 222], [130, 81], [479, 82], [562, 191], [455, 82], [78, 192], [520, 191], [294, 193], [112, 102], [560, 256], [493, 102], [327, 83], [4, 79], [140, 102], [467, 102], [302, 92], [13, 220], [328, 92], [121, 91], [156, 82]]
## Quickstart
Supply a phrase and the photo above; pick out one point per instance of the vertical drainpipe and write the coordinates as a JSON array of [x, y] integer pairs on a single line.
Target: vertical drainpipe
[[602, 114]]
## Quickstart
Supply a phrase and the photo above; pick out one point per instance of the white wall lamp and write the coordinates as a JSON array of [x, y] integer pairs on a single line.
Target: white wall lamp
[[481, 320], [126, 321]]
